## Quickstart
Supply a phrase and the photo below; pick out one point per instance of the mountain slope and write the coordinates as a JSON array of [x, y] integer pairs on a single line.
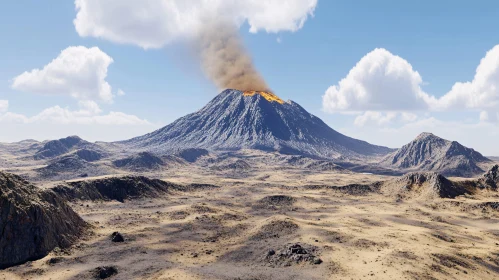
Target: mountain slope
[[235, 120], [59, 147], [431, 153]]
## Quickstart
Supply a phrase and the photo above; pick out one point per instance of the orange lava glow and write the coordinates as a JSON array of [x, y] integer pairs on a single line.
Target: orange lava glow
[[267, 95]]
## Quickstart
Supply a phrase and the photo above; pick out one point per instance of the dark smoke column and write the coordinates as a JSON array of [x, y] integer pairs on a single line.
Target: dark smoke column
[[225, 60]]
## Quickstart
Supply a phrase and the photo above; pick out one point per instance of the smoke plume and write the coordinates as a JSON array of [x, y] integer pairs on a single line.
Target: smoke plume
[[225, 61]]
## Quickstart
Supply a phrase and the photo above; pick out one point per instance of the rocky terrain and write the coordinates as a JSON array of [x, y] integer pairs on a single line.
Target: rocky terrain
[[431, 153], [416, 226], [247, 188], [33, 222]]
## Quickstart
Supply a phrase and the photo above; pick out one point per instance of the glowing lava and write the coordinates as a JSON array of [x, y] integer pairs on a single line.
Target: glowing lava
[[267, 95]]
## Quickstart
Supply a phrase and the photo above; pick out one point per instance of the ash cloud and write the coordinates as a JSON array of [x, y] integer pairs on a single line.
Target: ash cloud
[[225, 60]]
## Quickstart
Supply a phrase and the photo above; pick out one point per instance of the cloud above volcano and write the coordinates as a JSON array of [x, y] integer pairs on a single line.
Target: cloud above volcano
[[155, 23]]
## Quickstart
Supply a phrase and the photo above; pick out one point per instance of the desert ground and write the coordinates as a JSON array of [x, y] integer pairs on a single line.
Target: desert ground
[[278, 223]]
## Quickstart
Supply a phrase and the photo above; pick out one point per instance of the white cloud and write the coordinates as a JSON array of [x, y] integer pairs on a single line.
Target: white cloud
[[4, 105], [383, 82], [482, 92], [79, 72], [380, 81], [155, 23], [378, 118], [120, 92], [89, 113], [408, 117], [384, 118]]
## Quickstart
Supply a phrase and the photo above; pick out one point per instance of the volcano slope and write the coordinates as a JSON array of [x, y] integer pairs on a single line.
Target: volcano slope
[[283, 224], [234, 120]]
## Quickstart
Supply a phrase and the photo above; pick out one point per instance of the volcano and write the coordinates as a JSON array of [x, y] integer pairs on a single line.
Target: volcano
[[236, 120]]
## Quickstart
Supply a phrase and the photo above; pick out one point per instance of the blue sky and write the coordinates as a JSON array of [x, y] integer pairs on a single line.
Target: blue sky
[[443, 41]]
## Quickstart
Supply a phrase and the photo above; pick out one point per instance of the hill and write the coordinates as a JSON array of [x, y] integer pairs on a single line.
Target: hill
[[431, 153]]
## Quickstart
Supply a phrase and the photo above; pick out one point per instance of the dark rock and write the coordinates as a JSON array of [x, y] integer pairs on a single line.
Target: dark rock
[[117, 237], [294, 254], [55, 260], [297, 249], [33, 222], [104, 272], [271, 252], [491, 178], [278, 200]]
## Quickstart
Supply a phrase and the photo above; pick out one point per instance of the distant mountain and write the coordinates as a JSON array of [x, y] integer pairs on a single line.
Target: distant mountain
[[59, 147], [431, 153], [235, 120]]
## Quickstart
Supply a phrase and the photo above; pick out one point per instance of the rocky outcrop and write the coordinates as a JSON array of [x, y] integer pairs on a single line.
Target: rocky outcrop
[[233, 121], [33, 222], [431, 153], [424, 185], [141, 161], [116, 188], [490, 179]]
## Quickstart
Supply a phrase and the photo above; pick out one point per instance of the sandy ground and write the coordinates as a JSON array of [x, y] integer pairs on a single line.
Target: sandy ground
[[230, 233]]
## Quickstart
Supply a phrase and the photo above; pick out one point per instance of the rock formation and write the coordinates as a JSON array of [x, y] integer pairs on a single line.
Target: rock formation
[[33, 222], [431, 153]]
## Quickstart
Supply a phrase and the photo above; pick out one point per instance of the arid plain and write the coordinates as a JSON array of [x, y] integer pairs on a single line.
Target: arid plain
[[238, 217]]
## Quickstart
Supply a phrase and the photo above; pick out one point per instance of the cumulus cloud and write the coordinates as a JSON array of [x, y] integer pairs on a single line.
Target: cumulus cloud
[[482, 92], [378, 118], [380, 81], [79, 72], [155, 23], [89, 113], [384, 118]]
